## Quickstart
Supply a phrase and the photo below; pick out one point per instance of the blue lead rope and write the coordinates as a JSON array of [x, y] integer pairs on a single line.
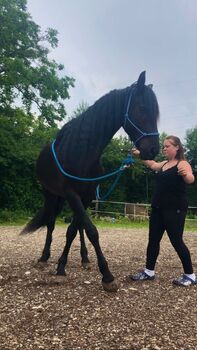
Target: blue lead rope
[[104, 197], [129, 160], [125, 163]]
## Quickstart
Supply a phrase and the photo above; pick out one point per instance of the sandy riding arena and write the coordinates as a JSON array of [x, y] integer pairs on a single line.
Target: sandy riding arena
[[38, 311]]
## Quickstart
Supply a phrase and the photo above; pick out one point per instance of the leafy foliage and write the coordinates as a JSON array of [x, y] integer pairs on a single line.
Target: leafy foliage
[[22, 138], [191, 147], [83, 106], [27, 76], [126, 189]]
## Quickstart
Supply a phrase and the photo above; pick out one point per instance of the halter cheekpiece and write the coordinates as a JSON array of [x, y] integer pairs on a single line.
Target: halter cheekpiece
[[126, 118]]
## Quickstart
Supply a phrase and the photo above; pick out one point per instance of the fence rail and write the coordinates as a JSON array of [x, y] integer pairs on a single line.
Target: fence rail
[[130, 210]]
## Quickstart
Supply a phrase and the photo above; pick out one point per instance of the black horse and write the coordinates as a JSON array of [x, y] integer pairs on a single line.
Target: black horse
[[78, 148]]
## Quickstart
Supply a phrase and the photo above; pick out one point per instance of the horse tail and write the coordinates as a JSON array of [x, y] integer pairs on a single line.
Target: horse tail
[[38, 221], [45, 215]]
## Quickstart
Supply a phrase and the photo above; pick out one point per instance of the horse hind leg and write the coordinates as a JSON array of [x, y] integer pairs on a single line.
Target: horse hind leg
[[46, 253], [70, 236], [83, 250], [53, 206]]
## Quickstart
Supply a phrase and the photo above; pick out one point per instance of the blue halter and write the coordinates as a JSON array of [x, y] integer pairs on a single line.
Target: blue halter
[[126, 116]]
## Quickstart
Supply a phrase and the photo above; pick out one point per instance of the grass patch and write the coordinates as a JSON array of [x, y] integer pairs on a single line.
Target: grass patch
[[20, 219], [191, 225]]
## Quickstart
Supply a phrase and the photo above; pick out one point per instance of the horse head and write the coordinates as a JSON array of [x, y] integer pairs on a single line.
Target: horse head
[[141, 117]]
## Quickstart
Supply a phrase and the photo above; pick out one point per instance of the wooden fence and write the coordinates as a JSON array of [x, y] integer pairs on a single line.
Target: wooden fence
[[131, 210], [114, 209]]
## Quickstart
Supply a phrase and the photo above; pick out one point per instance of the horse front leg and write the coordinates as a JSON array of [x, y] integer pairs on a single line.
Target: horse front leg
[[108, 280], [83, 250], [82, 220]]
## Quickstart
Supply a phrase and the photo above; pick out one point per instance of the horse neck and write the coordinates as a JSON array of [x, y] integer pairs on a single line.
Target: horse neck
[[81, 142], [108, 114]]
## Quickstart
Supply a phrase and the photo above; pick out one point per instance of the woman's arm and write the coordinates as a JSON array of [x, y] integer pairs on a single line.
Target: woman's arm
[[185, 170], [156, 166]]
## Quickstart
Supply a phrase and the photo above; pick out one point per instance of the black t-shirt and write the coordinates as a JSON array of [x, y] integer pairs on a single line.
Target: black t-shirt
[[170, 190]]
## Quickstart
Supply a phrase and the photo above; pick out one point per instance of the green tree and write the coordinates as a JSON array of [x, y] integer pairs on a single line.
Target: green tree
[[27, 76], [191, 153], [112, 158], [21, 141], [191, 147], [82, 107], [160, 156]]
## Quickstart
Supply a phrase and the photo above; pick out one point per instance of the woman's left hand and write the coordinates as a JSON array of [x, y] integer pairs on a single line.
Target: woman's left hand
[[182, 171], [185, 170]]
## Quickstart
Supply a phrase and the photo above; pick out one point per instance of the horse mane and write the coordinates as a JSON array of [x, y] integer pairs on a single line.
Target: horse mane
[[80, 142]]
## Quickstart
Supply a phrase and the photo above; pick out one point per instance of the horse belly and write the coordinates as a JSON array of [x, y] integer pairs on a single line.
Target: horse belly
[[55, 182]]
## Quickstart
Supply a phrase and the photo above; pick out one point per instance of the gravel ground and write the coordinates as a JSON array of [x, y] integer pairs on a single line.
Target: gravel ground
[[37, 311]]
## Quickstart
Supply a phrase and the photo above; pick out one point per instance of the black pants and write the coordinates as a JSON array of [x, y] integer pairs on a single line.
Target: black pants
[[172, 221]]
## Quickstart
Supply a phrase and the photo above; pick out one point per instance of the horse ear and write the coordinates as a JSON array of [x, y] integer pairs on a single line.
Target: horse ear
[[141, 81], [150, 85]]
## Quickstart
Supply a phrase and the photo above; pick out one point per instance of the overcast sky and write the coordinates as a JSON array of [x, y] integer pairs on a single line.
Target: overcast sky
[[105, 44]]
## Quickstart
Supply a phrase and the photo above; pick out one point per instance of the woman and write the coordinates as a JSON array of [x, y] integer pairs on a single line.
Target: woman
[[169, 209]]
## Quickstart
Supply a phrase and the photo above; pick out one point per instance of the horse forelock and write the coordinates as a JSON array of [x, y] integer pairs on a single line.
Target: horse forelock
[[149, 99]]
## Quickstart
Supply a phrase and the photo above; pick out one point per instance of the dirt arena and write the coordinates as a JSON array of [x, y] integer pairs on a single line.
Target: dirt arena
[[39, 312]]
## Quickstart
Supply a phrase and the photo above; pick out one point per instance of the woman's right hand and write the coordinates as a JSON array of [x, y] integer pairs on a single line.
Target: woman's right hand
[[135, 151]]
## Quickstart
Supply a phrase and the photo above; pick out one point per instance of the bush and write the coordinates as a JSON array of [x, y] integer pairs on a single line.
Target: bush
[[7, 216]]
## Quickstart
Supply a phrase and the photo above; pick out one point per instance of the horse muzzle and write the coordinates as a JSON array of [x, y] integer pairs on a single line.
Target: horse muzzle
[[149, 148]]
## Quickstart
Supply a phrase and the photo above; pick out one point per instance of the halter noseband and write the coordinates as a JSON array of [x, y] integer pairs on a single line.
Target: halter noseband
[[126, 118]]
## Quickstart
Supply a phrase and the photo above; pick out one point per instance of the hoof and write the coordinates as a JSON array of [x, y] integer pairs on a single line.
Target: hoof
[[61, 273], [59, 278], [40, 264], [86, 265], [44, 259], [110, 287], [56, 279]]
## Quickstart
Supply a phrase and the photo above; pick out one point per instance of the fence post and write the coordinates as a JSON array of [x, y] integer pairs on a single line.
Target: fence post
[[125, 209], [96, 208]]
